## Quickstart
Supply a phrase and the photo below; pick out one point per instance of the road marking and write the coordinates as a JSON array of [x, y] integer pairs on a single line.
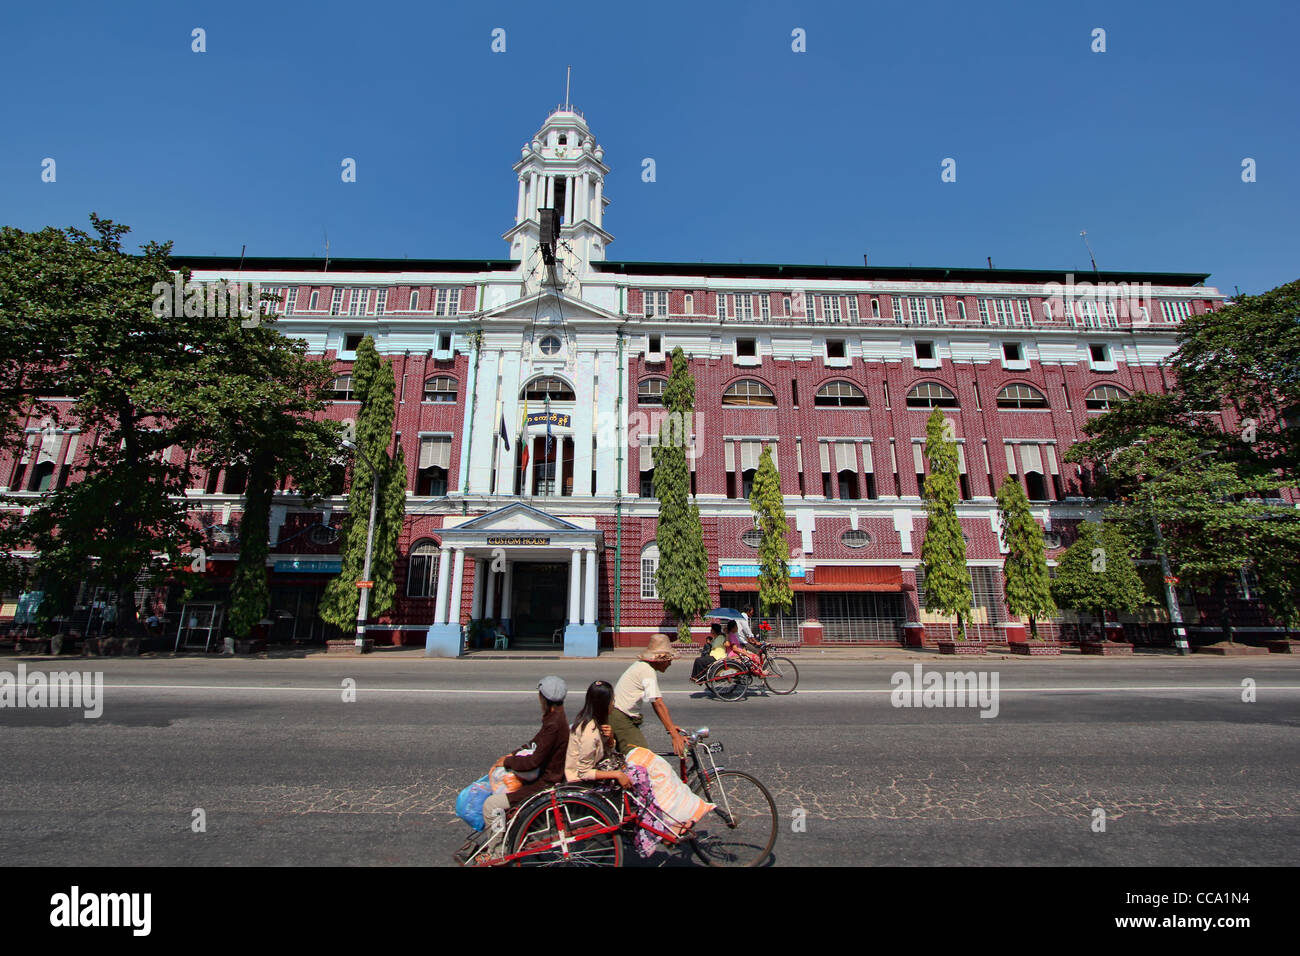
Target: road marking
[[1235, 688]]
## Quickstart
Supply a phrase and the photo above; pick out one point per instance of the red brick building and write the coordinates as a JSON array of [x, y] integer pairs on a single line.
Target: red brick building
[[835, 367]]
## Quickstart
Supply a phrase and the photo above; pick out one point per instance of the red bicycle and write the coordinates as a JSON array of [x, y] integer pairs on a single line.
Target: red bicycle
[[578, 825], [730, 678]]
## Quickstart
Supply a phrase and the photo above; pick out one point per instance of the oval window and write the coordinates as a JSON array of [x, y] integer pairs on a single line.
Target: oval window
[[752, 538], [855, 539]]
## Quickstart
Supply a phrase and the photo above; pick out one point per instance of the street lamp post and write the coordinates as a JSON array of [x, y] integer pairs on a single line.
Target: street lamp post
[[363, 607]]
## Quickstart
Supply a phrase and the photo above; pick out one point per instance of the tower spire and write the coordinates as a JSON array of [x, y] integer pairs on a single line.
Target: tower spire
[[568, 73]]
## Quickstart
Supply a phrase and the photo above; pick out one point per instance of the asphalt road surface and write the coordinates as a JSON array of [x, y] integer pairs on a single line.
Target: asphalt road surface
[[286, 772]]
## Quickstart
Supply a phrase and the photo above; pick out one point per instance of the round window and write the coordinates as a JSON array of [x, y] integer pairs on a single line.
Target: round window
[[322, 534], [855, 539], [752, 538], [549, 345]]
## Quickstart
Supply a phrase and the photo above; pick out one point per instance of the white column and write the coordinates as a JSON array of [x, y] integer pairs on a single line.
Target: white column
[[575, 585], [584, 425], [550, 193], [507, 587], [455, 602], [479, 451], [584, 197], [510, 370], [607, 419], [491, 591], [568, 199], [532, 195], [598, 211], [440, 607], [519, 211], [589, 614], [476, 599]]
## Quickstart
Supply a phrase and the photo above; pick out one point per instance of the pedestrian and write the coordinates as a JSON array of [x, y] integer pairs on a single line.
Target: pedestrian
[[639, 684]]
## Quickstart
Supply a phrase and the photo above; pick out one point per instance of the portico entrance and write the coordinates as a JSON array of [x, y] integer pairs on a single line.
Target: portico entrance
[[538, 603], [533, 574]]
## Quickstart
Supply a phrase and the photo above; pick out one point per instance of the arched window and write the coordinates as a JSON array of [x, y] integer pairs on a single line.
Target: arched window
[[422, 569], [931, 395], [440, 389], [961, 309], [748, 392], [343, 388], [539, 389], [42, 477], [1021, 396], [649, 567], [840, 395], [650, 391], [1104, 397]]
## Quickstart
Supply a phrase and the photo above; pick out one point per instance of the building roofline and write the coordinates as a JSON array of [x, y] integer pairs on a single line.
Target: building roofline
[[903, 273], [317, 264]]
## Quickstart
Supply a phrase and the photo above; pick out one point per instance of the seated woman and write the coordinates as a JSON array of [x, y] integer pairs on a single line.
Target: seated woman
[[539, 762], [736, 645], [591, 740]]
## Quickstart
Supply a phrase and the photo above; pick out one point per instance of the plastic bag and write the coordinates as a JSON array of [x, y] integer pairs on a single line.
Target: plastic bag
[[502, 780], [469, 805]]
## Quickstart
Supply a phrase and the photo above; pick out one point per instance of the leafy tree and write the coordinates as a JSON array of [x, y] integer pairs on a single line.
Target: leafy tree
[[682, 576], [1247, 357], [943, 551], [1024, 571], [774, 591], [1096, 573], [376, 388], [83, 305]]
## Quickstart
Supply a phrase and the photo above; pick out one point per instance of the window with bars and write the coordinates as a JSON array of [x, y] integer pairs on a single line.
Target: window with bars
[[810, 305], [357, 301], [722, 304], [1002, 311], [748, 392], [1089, 309], [1175, 311], [1111, 318], [649, 572], [853, 308], [1021, 396], [654, 302], [745, 307], [939, 315], [422, 570], [440, 389], [1026, 316], [381, 302], [984, 311], [931, 395], [336, 302], [290, 302], [840, 395], [831, 305], [650, 391], [764, 306], [897, 303]]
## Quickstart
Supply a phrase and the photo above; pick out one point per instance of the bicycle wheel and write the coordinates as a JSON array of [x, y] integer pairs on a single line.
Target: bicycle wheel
[[742, 829], [727, 680], [568, 833], [781, 676]]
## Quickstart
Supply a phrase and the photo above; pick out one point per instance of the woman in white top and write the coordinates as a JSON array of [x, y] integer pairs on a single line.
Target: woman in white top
[[591, 740]]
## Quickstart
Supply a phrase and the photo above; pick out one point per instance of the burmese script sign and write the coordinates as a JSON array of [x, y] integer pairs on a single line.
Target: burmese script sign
[[554, 418], [516, 539]]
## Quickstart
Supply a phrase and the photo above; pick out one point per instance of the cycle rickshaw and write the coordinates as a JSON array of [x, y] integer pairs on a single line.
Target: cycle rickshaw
[[582, 825]]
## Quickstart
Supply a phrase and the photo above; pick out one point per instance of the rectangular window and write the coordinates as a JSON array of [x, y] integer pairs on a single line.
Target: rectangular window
[[1089, 308], [291, 301], [744, 307], [939, 316], [897, 303], [853, 308], [1002, 310], [917, 311], [794, 392], [747, 348], [984, 311], [381, 302], [1098, 353], [1026, 317], [351, 340], [810, 303], [655, 302], [836, 349], [1011, 351], [925, 351], [722, 305], [440, 302], [831, 306], [1112, 319], [649, 590], [764, 306], [357, 301], [336, 303]]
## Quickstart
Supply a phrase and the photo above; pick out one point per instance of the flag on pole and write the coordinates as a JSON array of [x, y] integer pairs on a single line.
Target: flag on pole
[[504, 437], [523, 441], [548, 428]]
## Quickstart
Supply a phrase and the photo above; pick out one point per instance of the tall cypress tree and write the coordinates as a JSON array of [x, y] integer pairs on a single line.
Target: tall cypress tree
[[769, 515], [1027, 585], [375, 386], [943, 552], [682, 576]]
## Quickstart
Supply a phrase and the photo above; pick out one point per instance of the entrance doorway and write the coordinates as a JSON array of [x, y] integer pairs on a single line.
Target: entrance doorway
[[539, 602]]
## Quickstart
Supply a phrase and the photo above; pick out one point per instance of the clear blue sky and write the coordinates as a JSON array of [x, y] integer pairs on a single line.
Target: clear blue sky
[[762, 154]]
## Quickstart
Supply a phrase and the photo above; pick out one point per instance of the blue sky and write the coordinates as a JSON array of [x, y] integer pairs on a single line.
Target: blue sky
[[762, 154]]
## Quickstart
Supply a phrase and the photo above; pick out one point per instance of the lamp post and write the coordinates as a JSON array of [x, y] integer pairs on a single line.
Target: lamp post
[[363, 607]]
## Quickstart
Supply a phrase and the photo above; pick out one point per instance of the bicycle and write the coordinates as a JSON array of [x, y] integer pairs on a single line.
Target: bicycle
[[729, 679], [580, 825]]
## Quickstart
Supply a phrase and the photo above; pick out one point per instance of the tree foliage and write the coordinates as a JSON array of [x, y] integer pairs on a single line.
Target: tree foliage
[[1026, 582], [1096, 573], [943, 551], [774, 592], [375, 386], [682, 576]]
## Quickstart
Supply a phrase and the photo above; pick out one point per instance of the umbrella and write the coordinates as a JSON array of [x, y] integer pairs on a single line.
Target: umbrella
[[726, 613]]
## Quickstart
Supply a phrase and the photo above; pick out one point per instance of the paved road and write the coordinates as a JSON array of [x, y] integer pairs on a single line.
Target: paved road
[[288, 773]]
